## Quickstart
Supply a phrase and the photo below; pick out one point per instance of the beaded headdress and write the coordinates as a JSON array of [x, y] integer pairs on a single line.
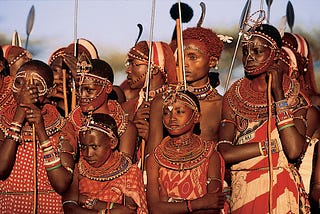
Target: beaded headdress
[[91, 124], [173, 94], [140, 52], [14, 53]]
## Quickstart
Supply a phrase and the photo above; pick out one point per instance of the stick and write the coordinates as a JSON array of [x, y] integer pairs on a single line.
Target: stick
[[65, 98], [35, 189], [269, 143]]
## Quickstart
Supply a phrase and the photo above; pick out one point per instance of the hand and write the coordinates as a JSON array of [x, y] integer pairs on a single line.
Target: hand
[[141, 120], [276, 70], [122, 210], [28, 95], [213, 200], [34, 116]]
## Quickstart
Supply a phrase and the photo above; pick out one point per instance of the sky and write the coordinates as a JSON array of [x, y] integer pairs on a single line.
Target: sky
[[111, 25]]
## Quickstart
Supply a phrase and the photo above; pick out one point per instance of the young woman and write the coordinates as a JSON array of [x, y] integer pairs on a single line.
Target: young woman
[[185, 174], [105, 181], [249, 124], [37, 149]]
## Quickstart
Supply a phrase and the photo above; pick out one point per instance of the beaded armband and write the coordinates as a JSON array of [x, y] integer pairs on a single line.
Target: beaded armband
[[51, 157], [264, 147]]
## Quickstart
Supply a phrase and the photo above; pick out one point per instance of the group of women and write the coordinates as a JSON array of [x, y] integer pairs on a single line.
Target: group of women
[[164, 141]]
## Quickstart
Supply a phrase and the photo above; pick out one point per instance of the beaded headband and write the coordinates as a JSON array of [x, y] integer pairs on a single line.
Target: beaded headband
[[158, 58], [52, 58], [23, 53], [35, 76], [172, 95], [91, 124], [84, 67]]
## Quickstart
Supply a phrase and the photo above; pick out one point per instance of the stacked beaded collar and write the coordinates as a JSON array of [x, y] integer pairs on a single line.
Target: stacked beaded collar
[[204, 91], [114, 167], [182, 154]]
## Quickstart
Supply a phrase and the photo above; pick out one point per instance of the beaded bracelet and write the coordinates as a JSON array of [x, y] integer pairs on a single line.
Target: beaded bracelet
[[283, 115], [48, 169], [282, 104], [285, 126], [90, 202], [265, 147], [261, 150], [103, 211]]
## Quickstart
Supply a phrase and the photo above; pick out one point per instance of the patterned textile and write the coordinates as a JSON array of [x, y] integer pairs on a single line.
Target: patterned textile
[[17, 192], [250, 178], [129, 184], [6, 96], [184, 184]]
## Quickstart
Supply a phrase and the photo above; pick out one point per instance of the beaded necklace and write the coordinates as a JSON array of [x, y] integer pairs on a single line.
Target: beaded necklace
[[204, 91], [114, 167], [182, 154], [252, 105]]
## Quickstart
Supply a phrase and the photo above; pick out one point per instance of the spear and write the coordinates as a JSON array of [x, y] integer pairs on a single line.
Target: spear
[[75, 41], [290, 15], [269, 2], [243, 20], [30, 22], [147, 81]]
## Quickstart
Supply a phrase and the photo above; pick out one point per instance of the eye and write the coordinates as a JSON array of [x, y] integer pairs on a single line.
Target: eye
[[192, 56], [83, 147]]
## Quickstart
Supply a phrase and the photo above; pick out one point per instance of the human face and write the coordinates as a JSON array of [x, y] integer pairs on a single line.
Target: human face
[[196, 63], [31, 77], [136, 72], [96, 147], [180, 119], [56, 67], [92, 95], [257, 55]]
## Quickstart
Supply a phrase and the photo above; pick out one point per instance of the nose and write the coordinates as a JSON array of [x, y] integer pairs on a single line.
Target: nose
[[90, 152]]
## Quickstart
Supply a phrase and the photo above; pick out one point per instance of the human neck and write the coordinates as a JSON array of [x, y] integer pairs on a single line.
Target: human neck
[[259, 83], [200, 82]]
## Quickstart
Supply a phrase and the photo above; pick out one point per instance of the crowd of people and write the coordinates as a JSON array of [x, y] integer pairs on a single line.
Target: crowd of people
[[165, 140]]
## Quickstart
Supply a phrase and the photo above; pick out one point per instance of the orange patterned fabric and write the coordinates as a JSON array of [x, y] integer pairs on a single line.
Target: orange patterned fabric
[[186, 184], [129, 184], [16, 192]]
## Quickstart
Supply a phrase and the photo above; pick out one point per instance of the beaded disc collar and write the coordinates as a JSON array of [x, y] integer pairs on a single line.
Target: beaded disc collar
[[110, 170], [184, 154]]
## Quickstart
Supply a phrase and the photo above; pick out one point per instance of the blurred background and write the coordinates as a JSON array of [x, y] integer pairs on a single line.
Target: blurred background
[[111, 25]]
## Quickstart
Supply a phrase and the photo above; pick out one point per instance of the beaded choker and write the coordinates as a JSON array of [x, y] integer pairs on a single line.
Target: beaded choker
[[182, 154], [111, 169], [202, 92]]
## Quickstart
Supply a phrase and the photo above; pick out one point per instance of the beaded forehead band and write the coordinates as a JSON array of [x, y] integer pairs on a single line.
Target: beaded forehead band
[[248, 36], [91, 124], [23, 53], [158, 58], [34, 76], [84, 69], [56, 55], [173, 95]]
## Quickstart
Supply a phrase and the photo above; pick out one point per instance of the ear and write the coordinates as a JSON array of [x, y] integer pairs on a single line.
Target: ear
[[197, 118], [213, 61], [113, 143], [108, 88]]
